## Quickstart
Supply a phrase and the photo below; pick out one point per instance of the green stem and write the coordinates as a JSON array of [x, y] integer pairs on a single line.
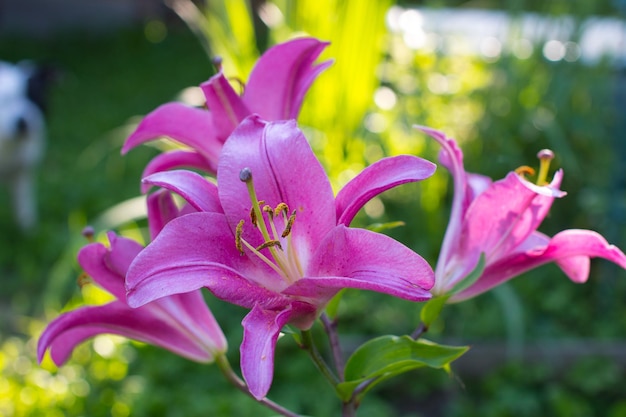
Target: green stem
[[320, 363], [222, 363]]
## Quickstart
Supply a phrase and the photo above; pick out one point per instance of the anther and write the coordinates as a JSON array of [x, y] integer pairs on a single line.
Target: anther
[[238, 232], [83, 279], [269, 244], [280, 208], [253, 214], [292, 218], [525, 170], [269, 210]]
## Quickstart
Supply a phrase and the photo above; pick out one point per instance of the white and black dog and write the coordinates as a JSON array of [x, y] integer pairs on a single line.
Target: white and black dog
[[22, 134]]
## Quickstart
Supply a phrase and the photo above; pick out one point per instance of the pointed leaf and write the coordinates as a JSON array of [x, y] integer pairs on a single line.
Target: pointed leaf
[[388, 356]]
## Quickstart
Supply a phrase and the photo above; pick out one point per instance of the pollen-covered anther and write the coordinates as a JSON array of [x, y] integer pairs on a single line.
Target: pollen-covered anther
[[238, 232], [292, 218], [269, 244], [281, 207], [269, 210], [253, 218], [83, 279], [524, 170]]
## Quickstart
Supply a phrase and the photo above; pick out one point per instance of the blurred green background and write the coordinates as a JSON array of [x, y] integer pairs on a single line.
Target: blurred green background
[[541, 345]]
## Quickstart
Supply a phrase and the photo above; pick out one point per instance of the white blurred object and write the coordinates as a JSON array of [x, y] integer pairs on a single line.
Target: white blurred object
[[22, 136]]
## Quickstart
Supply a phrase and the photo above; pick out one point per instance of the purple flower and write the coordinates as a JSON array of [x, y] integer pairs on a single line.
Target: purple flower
[[283, 257], [275, 91], [181, 323], [499, 221]]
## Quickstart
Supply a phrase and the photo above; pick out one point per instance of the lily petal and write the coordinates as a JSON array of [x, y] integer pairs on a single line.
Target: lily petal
[[359, 258], [188, 125], [95, 259], [72, 328], [261, 330], [383, 175], [161, 209], [284, 170], [451, 157], [281, 78], [201, 252], [189, 312], [177, 159], [568, 249], [193, 187], [502, 217], [227, 108]]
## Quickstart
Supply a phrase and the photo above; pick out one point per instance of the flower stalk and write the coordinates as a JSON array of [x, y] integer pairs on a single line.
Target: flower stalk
[[224, 366]]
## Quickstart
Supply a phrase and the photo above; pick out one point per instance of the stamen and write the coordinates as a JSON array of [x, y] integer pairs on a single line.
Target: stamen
[[269, 211], [284, 262], [269, 244], [238, 232], [292, 218], [88, 232], [83, 279], [240, 83], [253, 214], [279, 208], [545, 156], [525, 170]]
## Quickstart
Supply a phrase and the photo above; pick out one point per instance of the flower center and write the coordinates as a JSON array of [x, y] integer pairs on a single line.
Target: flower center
[[545, 157], [283, 258]]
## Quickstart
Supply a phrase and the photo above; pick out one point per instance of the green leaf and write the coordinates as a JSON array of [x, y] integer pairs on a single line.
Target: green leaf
[[387, 356], [379, 227], [432, 309], [472, 277]]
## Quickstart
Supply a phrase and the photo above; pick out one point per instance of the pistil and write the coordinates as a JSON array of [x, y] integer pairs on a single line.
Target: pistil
[[545, 156]]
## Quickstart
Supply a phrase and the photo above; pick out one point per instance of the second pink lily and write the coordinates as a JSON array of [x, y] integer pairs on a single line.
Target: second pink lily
[[498, 221], [275, 91]]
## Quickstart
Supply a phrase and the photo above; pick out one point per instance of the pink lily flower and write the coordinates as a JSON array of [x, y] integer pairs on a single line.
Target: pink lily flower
[[499, 221], [275, 91], [181, 323], [283, 257]]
